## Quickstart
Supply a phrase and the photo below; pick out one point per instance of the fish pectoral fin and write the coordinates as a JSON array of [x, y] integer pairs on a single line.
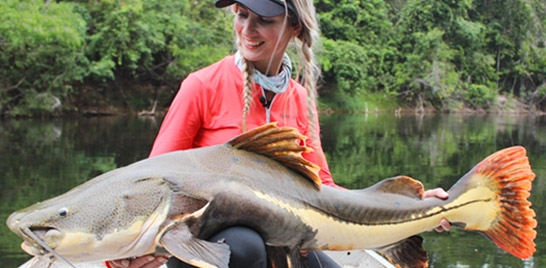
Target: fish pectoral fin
[[181, 243], [406, 253]]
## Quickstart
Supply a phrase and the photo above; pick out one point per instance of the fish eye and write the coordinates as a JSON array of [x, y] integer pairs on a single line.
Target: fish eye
[[63, 212]]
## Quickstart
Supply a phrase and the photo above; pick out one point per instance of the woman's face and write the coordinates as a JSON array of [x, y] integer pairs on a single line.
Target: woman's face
[[263, 41]]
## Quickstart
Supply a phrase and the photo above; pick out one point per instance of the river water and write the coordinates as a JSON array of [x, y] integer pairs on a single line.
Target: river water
[[40, 159]]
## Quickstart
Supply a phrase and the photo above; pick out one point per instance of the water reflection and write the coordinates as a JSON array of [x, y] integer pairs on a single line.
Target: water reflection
[[41, 159]]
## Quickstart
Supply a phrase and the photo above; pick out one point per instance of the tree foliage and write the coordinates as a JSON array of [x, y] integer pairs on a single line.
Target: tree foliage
[[111, 45], [57, 56], [450, 54], [40, 54]]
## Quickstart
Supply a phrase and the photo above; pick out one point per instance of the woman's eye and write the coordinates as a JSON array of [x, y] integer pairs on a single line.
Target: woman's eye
[[242, 14], [266, 21]]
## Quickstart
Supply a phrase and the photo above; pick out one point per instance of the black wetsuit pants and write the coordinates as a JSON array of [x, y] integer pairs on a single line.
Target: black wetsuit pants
[[248, 251]]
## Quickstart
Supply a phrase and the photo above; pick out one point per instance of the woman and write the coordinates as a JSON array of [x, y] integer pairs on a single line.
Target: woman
[[252, 87], [246, 90]]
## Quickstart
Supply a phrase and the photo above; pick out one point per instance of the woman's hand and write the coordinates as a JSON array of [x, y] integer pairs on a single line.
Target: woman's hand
[[442, 194], [148, 261]]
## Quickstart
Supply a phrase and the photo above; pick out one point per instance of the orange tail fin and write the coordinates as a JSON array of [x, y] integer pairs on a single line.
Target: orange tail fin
[[514, 229]]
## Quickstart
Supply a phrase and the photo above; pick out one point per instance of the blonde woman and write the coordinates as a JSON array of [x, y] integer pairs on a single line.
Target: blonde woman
[[254, 86], [246, 90]]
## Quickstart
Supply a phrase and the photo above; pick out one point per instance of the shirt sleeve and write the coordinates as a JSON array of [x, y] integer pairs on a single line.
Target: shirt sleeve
[[182, 121]]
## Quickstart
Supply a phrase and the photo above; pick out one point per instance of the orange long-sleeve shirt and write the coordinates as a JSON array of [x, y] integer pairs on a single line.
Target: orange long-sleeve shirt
[[208, 110]]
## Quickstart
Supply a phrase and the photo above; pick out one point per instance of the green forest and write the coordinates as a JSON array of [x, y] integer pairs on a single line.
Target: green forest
[[107, 56]]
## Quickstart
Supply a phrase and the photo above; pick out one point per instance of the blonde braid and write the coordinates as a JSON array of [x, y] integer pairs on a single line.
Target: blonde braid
[[248, 70], [309, 83], [306, 43], [248, 81]]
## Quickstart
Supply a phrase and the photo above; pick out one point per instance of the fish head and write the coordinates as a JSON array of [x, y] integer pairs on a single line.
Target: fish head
[[35, 230], [105, 218]]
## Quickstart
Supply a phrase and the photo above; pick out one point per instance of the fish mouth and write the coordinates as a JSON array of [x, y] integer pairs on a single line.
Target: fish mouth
[[36, 237], [35, 243]]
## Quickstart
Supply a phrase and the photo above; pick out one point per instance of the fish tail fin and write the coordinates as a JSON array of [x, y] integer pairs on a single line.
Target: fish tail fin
[[508, 176]]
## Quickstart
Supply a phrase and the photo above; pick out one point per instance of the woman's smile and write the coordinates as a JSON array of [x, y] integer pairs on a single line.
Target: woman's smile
[[251, 44]]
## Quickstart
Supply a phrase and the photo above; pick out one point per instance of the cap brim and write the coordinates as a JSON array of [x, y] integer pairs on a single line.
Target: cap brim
[[264, 8]]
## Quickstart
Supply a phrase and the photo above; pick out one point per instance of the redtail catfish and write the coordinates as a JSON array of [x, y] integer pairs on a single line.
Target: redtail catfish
[[170, 204]]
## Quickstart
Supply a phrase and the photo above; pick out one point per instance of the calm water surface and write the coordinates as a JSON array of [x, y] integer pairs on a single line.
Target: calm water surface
[[42, 159]]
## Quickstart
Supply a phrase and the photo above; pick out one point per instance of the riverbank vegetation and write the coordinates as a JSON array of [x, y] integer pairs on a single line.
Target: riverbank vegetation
[[109, 56]]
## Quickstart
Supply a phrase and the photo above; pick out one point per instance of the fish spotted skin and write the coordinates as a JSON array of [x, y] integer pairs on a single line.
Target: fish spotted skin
[[170, 204]]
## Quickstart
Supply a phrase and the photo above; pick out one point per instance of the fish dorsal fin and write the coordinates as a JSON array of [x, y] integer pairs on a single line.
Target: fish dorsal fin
[[282, 145], [402, 185]]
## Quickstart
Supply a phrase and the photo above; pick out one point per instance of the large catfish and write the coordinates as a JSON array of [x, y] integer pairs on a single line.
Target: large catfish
[[170, 204]]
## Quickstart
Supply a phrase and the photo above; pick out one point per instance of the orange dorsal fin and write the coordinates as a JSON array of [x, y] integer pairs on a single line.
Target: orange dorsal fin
[[282, 145], [510, 173]]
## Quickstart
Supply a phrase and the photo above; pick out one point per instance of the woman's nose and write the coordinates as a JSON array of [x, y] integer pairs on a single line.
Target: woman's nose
[[249, 26]]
